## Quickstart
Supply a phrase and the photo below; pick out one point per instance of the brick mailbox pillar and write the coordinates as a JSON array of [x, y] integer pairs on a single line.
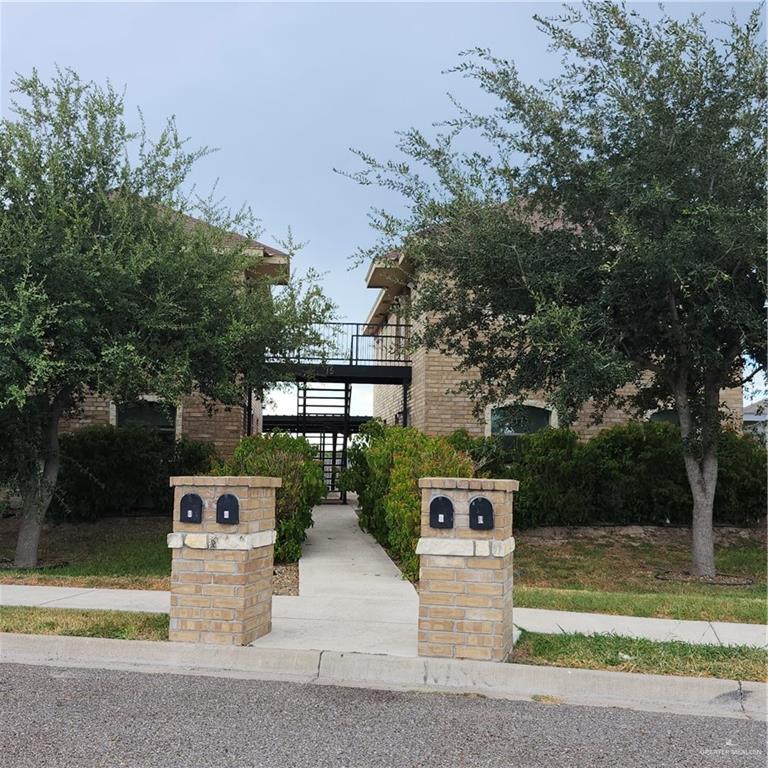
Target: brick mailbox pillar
[[223, 551], [465, 585]]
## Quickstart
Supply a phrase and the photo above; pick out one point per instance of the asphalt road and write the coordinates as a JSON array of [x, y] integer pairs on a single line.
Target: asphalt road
[[52, 717]]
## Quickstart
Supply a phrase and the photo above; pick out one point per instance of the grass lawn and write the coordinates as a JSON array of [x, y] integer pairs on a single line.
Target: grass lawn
[[622, 654], [122, 625], [695, 607], [617, 573], [121, 553], [613, 571]]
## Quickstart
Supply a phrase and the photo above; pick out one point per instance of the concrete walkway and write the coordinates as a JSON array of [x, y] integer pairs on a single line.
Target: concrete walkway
[[353, 599], [351, 595]]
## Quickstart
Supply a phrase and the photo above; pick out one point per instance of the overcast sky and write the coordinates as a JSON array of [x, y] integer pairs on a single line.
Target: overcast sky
[[284, 90]]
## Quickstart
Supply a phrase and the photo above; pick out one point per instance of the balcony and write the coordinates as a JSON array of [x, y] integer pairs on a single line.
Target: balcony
[[355, 353], [358, 344]]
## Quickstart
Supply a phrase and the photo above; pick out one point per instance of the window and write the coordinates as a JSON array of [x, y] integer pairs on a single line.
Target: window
[[667, 415], [509, 421], [150, 414]]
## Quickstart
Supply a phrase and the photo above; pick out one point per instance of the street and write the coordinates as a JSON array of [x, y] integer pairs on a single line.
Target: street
[[53, 717]]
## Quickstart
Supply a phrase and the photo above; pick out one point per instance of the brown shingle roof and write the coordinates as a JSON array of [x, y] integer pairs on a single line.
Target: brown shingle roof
[[234, 237]]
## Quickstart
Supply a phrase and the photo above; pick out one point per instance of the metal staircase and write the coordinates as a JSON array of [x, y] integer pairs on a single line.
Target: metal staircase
[[334, 357], [332, 403]]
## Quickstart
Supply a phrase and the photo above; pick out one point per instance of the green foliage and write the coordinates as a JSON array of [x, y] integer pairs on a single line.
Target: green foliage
[[611, 228], [549, 466], [636, 475], [742, 485], [294, 460], [386, 464], [113, 280], [367, 474], [489, 454], [603, 238], [631, 474], [108, 471]]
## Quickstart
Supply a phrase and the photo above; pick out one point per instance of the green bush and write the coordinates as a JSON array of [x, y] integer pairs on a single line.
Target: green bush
[[385, 466], [489, 455], [368, 478], [549, 466], [740, 497], [108, 471], [631, 474], [637, 475], [294, 460]]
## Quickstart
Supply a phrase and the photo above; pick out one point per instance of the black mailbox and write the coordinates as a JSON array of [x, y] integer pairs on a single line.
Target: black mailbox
[[441, 512], [191, 510], [480, 514], [228, 510]]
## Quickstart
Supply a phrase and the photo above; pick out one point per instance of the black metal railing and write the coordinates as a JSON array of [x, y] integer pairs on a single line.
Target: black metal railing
[[357, 344]]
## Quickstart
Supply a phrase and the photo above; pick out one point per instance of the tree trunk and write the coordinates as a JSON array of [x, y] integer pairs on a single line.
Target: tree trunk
[[700, 457], [37, 492], [702, 478]]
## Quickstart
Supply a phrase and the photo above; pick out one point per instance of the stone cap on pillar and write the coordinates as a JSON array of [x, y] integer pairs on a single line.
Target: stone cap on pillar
[[248, 481], [469, 483]]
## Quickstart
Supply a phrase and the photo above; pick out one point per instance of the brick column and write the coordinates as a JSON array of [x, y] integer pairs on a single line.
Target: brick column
[[465, 583], [221, 577]]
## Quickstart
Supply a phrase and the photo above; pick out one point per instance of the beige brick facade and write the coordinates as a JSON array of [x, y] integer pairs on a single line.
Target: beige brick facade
[[437, 406], [224, 426], [466, 576], [388, 402], [221, 575], [93, 411]]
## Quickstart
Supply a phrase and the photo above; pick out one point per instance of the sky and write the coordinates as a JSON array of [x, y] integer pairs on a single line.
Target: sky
[[284, 90]]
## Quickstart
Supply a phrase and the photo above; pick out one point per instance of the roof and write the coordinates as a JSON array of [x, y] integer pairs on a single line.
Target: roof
[[757, 410], [275, 263], [390, 273]]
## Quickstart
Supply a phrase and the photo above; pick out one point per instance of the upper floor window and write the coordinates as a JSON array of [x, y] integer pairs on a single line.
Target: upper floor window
[[509, 421]]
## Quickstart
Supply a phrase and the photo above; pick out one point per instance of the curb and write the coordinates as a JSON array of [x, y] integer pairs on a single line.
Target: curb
[[653, 693]]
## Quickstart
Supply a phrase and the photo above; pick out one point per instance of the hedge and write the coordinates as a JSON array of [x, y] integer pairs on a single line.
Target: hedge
[[385, 464], [631, 474], [107, 471], [294, 460]]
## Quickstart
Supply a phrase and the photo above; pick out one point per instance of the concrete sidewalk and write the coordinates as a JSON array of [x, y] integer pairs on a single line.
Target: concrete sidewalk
[[352, 598], [340, 623]]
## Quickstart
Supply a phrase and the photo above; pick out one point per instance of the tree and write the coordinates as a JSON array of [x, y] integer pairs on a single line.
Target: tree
[[605, 240], [107, 285]]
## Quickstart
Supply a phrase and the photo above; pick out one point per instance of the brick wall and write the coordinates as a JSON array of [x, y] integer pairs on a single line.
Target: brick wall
[[224, 427], [94, 410], [388, 398], [437, 409], [387, 401], [733, 400]]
